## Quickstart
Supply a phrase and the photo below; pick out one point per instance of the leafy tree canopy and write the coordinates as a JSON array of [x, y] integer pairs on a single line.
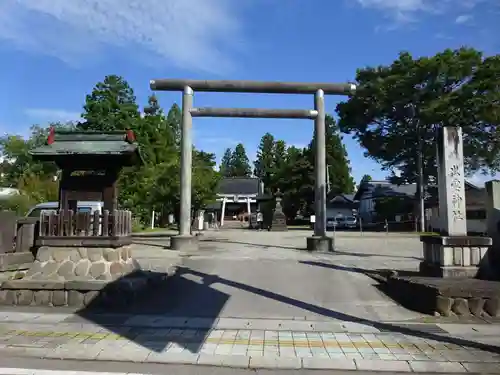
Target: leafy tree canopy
[[110, 106], [398, 108]]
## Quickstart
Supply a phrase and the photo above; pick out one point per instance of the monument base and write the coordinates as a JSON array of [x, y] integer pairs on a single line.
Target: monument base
[[184, 243], [436, 270], [320, 243], [453, 256], [14, 261]]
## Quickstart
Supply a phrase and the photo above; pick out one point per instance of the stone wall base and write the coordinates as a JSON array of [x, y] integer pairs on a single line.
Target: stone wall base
[[446, 296], [79, 294], [81, 263]]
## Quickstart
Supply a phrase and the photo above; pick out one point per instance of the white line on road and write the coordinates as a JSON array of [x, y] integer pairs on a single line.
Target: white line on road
[[30, 371]]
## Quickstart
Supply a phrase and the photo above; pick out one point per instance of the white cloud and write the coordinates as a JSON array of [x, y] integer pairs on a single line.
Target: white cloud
[[186, 33], [464, 18], [408, 10], [52, 115]]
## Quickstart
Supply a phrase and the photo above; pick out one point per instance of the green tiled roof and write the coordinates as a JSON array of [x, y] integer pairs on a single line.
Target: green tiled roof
[[87, 143]]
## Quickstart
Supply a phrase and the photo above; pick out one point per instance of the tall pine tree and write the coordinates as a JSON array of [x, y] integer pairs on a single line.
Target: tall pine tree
[[111, 106], [338, 169], [240, 165], [264, 164], [225, 164]]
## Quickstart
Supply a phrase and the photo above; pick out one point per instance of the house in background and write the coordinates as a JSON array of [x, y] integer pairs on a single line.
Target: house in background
[[475, 198], [341, 205], [370, 191], [475, 201]]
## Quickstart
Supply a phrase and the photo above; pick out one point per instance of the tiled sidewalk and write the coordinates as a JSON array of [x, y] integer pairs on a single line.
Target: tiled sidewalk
[[243, 347]]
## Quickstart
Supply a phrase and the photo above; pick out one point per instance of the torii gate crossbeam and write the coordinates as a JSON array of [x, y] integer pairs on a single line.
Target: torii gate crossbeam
[[319, 241]]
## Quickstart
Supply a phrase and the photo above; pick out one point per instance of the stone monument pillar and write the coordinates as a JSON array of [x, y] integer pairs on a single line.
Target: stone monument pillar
[[453, 253], [278, 223]]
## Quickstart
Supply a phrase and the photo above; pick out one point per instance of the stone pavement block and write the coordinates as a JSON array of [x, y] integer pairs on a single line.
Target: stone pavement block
[[25, 352], [230, 323], [109, 354], [73, 353], [290, 325], [358, 328], [200, 323], [50, 318], [380, 365], [327, 327], [328, 363], [240, 361], [274, 362], [141, 320], [482, 367], [428, 366], [178, 358]]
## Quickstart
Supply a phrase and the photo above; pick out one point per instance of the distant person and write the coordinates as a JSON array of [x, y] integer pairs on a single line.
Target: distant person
[[260, 220]]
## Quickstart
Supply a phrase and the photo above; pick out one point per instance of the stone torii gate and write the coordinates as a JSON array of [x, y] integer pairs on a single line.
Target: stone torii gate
[[319, 241]]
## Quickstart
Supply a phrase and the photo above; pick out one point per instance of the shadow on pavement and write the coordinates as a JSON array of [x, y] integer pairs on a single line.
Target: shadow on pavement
[[182, 296], [388, 327], [146, 317]]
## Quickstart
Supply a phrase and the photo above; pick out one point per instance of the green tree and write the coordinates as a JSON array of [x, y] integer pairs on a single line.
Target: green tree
[[159, 135], [225, 167], [174, 119], [205, 179], [366, 178], [35, 180], [264, 163], [397, 110], [388, 208], [297, 183], [339, 171], [240, 165], [154, 185], [16, 160], [111, 106]]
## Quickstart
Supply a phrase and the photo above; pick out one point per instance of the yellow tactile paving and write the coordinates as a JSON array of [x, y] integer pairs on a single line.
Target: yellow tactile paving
[[297, 342]]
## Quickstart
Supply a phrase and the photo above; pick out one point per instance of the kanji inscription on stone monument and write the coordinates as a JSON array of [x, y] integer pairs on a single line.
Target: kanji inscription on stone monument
[[452, 182]]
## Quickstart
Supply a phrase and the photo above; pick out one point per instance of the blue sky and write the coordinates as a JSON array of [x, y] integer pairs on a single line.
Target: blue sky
[[55, 51]]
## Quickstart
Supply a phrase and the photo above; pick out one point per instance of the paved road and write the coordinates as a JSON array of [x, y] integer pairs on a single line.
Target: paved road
[[248, 274]]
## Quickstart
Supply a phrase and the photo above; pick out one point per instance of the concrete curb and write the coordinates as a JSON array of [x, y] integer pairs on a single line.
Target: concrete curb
[[153, 235], [257, 362]]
